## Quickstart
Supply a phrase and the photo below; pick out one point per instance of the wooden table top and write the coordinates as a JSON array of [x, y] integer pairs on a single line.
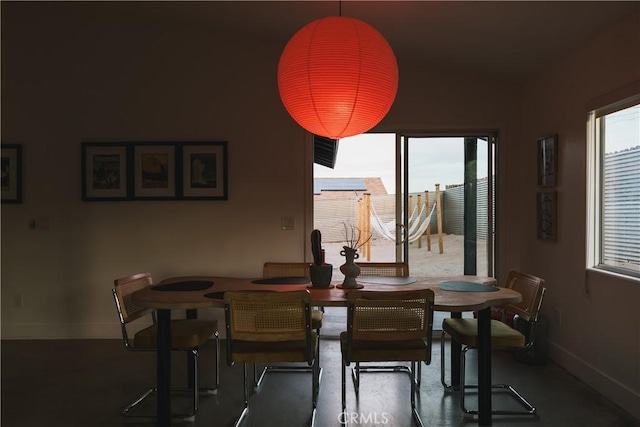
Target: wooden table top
[[450, 301]]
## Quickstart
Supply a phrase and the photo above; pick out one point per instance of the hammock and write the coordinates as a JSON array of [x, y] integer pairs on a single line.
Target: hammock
[[417, 228]]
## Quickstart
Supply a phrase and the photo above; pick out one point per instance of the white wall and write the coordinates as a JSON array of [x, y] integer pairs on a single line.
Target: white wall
[[74, 72], [598, 338]]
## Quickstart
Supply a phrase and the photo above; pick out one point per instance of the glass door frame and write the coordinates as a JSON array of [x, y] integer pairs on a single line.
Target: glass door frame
[[402, 186]]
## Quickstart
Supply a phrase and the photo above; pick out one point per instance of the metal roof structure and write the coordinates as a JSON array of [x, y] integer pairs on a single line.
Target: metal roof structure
[[338, 184]]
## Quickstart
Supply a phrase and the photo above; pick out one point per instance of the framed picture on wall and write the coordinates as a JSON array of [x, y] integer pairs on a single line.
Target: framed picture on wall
[[547, 215], [154, 169], [11, 162], [548, 161], [105, 172], [204, 171]]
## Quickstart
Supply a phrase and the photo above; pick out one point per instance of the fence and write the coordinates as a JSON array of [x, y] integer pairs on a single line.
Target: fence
[[331, 214], [621, 236]]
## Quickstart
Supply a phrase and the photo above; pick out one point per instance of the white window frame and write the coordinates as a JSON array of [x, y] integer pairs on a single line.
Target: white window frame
[[595, 184]]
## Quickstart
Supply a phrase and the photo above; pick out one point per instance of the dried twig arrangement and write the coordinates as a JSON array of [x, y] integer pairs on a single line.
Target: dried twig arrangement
[[353, 237]]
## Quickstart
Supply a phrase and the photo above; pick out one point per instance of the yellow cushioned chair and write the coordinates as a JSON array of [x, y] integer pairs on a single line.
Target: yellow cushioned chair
[[391, 326], [383, 269], [186, 335], [271, 327], [503, 336], [293, 269], [289, 269]]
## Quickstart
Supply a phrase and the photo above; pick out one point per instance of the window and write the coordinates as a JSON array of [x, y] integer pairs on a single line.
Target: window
[[614, 188]]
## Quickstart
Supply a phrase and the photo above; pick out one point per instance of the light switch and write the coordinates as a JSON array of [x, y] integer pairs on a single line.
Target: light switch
[[288, 223], [40, 223]]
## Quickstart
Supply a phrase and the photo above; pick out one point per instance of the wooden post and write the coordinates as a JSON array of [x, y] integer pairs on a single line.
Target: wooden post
[[439, 217], [426, 202], [360, 224], [367, 224], [410, 209], [419, 219]]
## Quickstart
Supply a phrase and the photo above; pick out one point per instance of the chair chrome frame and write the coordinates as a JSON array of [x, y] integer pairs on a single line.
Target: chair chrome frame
[[384, 269], [529, 308], [312, 350], [193, 354], [425, 334], [285, 269]]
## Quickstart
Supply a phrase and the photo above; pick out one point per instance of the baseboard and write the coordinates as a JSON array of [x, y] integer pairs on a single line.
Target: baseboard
[[53, 331], [93, 330], [58, 331], [613, 390]]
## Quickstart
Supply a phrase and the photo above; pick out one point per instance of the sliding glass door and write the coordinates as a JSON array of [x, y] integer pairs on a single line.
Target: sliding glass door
[[445, 198], [425, 199]]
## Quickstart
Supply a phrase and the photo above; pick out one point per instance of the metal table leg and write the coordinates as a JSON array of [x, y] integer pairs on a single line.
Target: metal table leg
[[191, 363], [164, 368], [456, 349], [484, 367]]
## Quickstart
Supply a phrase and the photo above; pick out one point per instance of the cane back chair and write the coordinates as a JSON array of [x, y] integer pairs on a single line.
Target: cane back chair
[[271, 327], [187, 335], [393, 326], [289, 269], [503, 336], [383, 269]]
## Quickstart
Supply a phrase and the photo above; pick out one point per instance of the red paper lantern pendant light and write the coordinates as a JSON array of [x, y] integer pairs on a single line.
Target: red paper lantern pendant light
[[337, 77]]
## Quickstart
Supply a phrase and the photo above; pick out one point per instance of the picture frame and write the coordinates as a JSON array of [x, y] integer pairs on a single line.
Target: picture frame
[[547, 215], [154, 170], [105, 171], [11, 165], [548, 161], [204, 171]]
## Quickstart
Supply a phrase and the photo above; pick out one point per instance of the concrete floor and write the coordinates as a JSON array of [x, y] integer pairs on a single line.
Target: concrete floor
[[87, 382]]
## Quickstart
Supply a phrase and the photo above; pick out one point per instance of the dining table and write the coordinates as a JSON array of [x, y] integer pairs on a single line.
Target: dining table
[[199, 292]]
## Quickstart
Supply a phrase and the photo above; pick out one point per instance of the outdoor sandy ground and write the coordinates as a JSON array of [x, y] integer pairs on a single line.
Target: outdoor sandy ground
[[422, 262]]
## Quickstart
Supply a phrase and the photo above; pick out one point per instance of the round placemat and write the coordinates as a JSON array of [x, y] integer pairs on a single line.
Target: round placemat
[[215, 295], [188, 285], [282, 281], [383, 280], [458, 286]]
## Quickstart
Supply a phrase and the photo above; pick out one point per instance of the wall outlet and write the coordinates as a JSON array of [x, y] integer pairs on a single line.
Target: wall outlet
[[559, 316], [41, 223], [18, 301]]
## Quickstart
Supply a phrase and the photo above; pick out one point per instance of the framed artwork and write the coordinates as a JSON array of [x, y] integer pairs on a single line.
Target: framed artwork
[[154, 169], [547, 161], [204, 171], [11, 161], [105, 173], [547, 218]]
